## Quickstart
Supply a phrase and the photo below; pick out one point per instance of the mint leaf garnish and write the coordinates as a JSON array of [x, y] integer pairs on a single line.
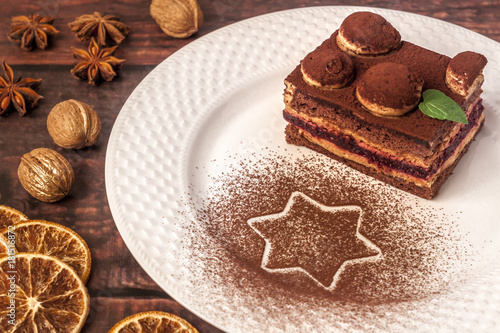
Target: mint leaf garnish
[[437, 105]]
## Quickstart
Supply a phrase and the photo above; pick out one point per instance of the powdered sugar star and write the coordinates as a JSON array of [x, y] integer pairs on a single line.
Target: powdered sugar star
[[315, 239]]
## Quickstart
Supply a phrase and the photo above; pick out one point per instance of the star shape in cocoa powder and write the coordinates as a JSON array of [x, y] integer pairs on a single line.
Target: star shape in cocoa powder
[[313, 238]]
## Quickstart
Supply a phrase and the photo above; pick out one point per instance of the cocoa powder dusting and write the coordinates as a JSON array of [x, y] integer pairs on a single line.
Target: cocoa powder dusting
[[467, 66], [371, 32], [311, 237], [420, 253]]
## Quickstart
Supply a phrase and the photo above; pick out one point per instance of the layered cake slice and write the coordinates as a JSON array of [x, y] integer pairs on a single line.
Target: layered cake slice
[[356, 99]]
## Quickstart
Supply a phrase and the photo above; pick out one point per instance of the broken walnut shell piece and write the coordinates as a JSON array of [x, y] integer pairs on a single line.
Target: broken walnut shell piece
[[389, 89], [177, 18], [74, 125], [46, 174], [368, 34], [327, 69], [464, 74]]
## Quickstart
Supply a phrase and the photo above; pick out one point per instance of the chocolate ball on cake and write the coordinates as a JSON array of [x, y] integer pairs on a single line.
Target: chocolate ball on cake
[[464, 72], [327, 69], [389, 89], [366, 33]]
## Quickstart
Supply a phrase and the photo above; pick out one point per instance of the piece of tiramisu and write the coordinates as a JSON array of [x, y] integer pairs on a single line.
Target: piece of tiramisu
[[358, 99]]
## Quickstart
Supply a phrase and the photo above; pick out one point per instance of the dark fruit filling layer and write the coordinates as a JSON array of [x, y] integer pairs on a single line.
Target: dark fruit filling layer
[[348, 143]]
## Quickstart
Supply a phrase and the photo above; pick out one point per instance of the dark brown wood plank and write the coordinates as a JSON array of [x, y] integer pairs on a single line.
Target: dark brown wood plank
[[118, 285], [86, 209], [148, 45]]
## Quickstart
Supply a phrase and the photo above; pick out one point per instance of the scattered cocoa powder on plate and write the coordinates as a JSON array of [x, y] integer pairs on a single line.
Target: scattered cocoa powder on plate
[[421, 253]]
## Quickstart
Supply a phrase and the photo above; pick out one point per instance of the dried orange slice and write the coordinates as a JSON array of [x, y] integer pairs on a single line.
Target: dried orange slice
[[53, 239], [10, 216], [40, 293], [153, 322], [4, 248]]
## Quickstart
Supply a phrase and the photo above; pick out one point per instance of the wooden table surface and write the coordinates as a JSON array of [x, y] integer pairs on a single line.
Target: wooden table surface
[[118, 286]]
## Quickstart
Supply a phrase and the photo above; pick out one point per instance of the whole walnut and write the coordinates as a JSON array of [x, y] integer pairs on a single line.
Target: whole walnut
[[177, 18], [74, 124], [46, 174]]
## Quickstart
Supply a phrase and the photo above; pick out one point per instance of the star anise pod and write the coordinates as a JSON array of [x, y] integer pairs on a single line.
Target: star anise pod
[[96, 64], [101, 27], [32, 30], [17, 94]]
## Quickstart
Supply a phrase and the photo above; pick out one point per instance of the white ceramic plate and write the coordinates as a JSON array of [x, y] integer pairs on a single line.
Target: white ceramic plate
[[221, 95]]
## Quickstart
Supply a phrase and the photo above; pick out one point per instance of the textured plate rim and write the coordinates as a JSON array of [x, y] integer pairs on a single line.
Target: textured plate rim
[[112, 182]]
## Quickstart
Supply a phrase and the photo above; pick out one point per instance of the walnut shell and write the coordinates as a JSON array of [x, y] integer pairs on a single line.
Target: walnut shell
[[74, 124], [177, 18], [46, 174]]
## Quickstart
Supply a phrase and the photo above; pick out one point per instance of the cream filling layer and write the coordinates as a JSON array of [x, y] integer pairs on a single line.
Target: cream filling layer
[[417, 160], [389, 171]]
